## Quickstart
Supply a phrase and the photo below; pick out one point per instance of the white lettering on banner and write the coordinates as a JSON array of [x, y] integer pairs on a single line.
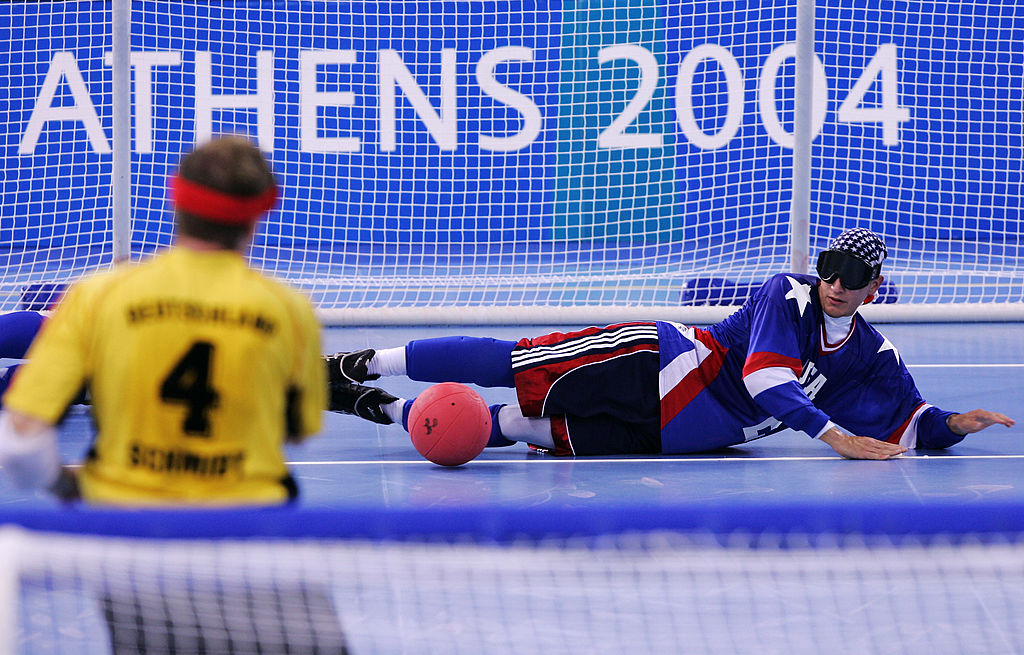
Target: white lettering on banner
[[684, 96], [64, 66], [767, 94], [614, 135], [312, 99], [442, 126], [144, 63], [860, 105], [505, 95], [262, 101], [885, 66]]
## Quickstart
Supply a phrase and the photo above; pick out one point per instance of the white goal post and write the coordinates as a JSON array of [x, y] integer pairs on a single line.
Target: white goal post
[[521, 162]]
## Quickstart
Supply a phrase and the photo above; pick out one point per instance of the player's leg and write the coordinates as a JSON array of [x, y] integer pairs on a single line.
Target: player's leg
[[599, 434], [471, 360], [605, 380], [6, 375], [574, 435], [488, 362], [508, 425], [17, 330]]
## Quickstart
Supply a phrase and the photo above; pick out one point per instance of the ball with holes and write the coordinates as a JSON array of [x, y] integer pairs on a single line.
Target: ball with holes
[[449, 424]]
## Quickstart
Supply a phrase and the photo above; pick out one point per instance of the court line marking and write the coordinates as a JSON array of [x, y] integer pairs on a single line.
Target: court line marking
[[648, 460]]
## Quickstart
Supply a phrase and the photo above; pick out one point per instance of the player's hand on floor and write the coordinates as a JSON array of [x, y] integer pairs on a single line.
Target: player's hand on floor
[[977, 419], [854, 447]]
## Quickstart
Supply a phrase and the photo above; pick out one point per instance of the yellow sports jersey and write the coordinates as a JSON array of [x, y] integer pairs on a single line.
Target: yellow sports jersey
[[197, 368]]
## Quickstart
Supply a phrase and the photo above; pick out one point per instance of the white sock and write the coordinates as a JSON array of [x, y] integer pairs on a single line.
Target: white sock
[[394, 410], [516, 427], [389, 361]]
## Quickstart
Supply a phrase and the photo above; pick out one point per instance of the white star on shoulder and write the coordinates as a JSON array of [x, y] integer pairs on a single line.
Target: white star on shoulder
[[888, 345], [800, 292]]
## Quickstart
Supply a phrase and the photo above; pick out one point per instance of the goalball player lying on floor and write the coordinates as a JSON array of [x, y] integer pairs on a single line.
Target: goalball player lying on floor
[[796, 354], [17, 331]]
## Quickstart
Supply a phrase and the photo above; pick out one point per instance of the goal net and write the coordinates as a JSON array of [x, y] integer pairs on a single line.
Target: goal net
[[510, 161], [661, 591]]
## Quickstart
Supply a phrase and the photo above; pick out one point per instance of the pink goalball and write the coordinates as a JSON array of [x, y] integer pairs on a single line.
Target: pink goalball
[[449, 424]]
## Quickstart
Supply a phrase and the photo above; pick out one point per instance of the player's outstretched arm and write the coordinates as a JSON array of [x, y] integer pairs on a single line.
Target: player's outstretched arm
[[976, 420], [854, 447]]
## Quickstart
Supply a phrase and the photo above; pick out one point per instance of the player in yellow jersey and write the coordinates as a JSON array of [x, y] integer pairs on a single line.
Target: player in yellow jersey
[[198, 367]]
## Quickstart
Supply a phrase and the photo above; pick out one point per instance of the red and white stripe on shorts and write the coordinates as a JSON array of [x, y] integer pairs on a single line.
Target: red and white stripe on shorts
[[539, 363]]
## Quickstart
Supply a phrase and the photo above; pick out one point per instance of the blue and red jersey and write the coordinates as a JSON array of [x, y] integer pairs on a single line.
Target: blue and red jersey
[[769, 366]]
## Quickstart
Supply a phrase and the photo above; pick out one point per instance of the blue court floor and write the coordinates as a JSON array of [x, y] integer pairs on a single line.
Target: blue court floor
[[353, 463]]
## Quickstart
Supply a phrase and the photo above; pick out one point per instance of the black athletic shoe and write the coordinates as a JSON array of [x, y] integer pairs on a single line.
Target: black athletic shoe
[[349, 367], [364, 402]]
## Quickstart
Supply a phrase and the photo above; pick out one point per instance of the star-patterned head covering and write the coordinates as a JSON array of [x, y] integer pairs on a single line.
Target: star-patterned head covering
[[864, 245]]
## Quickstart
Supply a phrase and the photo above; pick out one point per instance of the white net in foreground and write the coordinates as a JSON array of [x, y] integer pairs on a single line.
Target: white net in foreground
[[651, 593]]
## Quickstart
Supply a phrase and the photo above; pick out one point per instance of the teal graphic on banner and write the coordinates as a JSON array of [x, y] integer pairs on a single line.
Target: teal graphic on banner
[[605, 190]]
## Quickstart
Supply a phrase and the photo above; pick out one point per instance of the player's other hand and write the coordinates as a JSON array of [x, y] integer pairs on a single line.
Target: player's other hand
[[854, 447], [975, 420]]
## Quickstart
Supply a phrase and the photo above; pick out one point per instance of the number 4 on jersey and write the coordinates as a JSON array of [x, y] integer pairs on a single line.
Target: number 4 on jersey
[[188, 384]]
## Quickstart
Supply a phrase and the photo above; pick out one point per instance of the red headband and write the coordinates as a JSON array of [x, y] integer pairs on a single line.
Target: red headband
[[217, 206]]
